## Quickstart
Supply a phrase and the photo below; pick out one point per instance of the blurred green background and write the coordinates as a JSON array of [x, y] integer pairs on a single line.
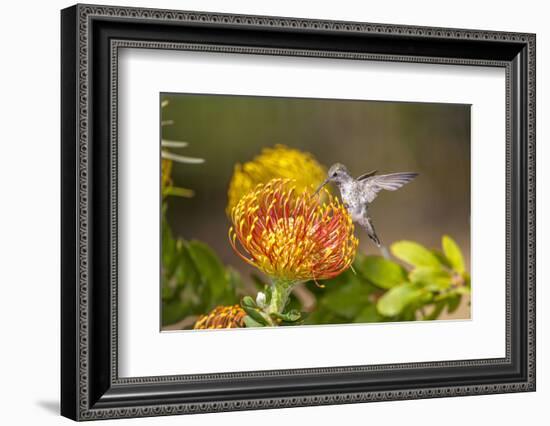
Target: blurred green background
[[430, 139]]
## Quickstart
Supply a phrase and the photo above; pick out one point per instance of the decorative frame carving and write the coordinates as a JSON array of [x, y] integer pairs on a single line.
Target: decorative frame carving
[[91, 388]]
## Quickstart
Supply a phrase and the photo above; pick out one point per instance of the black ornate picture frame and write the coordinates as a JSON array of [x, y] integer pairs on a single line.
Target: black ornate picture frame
[[91, 37]]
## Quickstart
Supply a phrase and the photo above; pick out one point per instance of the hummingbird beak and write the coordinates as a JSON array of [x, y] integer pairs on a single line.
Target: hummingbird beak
[[321, 186]]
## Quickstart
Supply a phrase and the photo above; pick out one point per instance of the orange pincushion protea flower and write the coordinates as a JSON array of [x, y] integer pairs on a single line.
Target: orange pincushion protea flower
[[222, 317], [292, 236]]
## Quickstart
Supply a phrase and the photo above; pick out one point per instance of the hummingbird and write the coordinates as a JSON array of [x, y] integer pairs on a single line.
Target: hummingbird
[[358, 193]]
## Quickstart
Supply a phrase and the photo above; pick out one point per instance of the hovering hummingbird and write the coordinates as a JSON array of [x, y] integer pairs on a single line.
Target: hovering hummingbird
[[358, 194]]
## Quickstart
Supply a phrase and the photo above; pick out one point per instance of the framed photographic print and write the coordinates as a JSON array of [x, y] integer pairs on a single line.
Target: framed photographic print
[[263, 212]]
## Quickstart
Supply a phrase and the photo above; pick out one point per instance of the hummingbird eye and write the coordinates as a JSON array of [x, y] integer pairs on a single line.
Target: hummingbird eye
[[335, 174]]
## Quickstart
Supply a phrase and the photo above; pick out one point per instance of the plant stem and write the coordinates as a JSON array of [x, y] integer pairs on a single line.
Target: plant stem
[[179, 192], [280, 290]]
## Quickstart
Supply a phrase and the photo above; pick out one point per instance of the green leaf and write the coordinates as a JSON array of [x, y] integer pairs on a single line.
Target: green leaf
[[249, 322], [414, 254], [168, 244], [438, 308], [267, 292], [179, 192], [346, 300], [467, 280], [382, 272], [172, 312], [167, 292], [291, 316], [211, 269], [432, 279], [369, 314], [453, 302], [408, 314], [453, 253], [233, 278], [397, 298], [248, 302], [462, 290], [425, 298], [442, 259], [256, 315], [186, 271]]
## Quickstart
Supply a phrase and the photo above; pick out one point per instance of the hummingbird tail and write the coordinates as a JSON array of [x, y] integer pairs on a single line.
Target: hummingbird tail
[[383, 249], [366, 222], [371, 232], [375, 238], [385, 252]]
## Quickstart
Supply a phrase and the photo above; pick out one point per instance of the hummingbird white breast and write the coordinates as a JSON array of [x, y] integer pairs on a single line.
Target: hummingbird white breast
[[351, 197]]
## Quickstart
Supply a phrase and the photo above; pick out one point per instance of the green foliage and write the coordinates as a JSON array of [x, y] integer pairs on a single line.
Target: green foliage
[[369, 314], [248, 302], [453, 254], [384, 290], [432, 279], [375, 289], [249, 322], [382, 272], [414, 254], [437, 280], [291, 316], [394, 301], [347, 298], [258, 315], [193, 279]]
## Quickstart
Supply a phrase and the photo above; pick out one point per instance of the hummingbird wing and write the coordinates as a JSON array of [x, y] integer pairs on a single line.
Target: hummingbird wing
[[367, 175], [374, 184]]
